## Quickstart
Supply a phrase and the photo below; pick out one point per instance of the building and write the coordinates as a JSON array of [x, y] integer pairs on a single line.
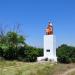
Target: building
[[49, 45]]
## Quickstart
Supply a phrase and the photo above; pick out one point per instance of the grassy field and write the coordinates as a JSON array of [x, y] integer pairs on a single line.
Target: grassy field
[[22, 68], [72, 73]]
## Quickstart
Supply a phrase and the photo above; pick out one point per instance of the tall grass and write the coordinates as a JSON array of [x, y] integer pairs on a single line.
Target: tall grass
[[22, 68]]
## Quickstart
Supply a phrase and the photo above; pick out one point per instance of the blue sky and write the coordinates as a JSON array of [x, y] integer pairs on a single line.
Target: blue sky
[[33, 15]]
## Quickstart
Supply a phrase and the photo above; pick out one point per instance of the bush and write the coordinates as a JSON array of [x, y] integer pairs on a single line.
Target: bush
[[66, 54], [13, 46], [10, 53], [1, 52], [32, 53], [64, 59]]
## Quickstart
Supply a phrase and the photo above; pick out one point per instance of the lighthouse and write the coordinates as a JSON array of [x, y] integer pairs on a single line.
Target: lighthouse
[[49, 45]]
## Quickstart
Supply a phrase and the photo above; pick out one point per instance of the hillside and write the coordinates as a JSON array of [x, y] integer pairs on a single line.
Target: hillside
[[45, 68]]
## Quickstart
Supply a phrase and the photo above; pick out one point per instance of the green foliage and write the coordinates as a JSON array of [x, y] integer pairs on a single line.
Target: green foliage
[[1, 52], [32, 53], [13, 46], [9, 53], [2, 38], [13, 39], [21, 39], [66, 54]]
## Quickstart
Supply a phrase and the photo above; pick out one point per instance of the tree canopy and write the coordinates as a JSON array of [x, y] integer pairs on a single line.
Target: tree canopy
[[14, 47], [66, 54]]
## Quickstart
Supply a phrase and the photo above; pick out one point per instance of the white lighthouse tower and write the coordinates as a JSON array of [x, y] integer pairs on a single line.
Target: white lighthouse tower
[[49, 45]]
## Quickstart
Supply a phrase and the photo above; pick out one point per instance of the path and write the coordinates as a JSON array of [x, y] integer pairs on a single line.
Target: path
[[69, 71]]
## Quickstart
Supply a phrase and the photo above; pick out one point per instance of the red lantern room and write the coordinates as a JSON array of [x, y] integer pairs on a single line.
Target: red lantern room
[[49, 29]]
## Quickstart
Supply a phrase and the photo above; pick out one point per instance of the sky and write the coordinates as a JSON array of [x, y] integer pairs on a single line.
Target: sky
[[33, 17]]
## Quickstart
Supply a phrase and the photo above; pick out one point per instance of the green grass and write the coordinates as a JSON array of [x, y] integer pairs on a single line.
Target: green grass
[[22, 68]]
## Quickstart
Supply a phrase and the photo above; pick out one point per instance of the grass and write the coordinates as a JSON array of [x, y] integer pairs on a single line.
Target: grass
[[72, 73], [22, 68]]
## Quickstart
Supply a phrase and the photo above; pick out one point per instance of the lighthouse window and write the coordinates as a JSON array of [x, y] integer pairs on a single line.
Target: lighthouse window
[[48, 50]]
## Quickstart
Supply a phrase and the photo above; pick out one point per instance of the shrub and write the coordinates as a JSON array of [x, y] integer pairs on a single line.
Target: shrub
[[66, 54]]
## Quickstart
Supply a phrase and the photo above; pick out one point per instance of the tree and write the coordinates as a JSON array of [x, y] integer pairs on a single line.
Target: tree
[[66, 54], [13, 46], [13, 39]]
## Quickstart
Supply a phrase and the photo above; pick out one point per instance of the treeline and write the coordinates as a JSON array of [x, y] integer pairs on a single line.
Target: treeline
[[13, 47]]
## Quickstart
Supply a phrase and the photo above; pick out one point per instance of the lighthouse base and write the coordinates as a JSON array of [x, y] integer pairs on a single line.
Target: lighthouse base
[[52, 59]]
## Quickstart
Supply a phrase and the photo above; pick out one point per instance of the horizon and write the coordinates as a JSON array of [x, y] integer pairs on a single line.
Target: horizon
[[33, 16]]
